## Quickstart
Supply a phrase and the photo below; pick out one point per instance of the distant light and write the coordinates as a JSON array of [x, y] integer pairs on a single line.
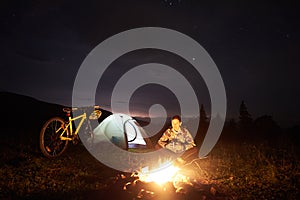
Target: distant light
[[194, 58]]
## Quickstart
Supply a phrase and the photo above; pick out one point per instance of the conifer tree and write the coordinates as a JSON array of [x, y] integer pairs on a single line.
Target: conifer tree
[[203, 116], [245, 119]]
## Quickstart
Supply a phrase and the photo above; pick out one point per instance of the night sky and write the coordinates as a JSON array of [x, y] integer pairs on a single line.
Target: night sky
[[255, 45]]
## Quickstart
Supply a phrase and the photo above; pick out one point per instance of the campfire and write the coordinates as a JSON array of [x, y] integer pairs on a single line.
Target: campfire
[[167, 180], [164, 177], [161, 175]]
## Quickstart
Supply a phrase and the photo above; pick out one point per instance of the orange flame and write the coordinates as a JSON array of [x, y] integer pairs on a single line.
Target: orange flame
[[161, 175]]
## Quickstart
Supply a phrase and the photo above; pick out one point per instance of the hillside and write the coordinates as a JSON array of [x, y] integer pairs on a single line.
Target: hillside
[[23, 117]]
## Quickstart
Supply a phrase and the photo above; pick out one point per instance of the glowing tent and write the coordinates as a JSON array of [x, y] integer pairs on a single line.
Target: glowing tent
[[123, 131]]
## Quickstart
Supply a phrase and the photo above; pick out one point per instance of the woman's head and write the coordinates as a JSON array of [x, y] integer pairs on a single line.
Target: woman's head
[[176, 122]]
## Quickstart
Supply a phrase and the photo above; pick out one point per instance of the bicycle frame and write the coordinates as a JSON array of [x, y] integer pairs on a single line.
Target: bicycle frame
[[69, 125]]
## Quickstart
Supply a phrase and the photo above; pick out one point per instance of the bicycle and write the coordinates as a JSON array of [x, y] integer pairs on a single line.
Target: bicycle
[[57, 132]]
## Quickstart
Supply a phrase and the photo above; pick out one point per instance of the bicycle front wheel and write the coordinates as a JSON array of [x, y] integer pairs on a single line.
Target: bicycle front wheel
[[51, 144]]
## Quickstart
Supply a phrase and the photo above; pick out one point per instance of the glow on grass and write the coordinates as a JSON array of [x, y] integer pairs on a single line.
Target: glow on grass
[[163, 174]]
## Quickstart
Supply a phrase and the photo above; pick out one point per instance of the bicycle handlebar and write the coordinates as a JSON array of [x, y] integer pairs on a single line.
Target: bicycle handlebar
[[69, 110]]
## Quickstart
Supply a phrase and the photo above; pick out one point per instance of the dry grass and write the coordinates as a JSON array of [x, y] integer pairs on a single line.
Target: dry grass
[[242, 171], [254, 171]]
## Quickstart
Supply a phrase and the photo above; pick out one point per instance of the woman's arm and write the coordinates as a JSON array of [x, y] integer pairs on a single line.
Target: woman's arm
[[165, 138], [189, 141]]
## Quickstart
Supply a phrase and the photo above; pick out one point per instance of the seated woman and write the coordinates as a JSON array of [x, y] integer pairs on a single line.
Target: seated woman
[[178, 140]]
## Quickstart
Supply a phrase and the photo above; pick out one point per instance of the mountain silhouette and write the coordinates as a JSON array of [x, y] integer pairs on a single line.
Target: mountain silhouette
[[23, 117], [22, 113]]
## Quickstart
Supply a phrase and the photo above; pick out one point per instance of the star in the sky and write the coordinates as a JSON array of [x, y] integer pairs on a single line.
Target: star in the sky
[[172, 2]]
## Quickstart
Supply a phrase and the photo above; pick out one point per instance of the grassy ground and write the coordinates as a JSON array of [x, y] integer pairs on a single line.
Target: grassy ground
[[255, 171], [241, 171], [26, 173]]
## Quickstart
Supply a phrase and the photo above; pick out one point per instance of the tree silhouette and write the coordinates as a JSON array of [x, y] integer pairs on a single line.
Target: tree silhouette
[[203, 116], [245, 120], [203, 125]]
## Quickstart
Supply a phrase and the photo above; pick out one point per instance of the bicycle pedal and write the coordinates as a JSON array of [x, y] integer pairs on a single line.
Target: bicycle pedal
[[75, 140]]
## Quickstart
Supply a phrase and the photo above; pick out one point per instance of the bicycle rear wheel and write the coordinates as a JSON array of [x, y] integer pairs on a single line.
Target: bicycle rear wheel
[[51, 144]]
